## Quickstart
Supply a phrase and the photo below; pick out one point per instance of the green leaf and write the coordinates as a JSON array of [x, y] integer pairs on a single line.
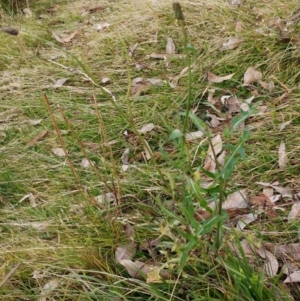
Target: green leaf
[[176, 134], [210, 224]]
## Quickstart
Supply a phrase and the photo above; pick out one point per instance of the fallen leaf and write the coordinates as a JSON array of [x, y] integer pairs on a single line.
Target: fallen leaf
[[271, 266], [262, 201], [96, 9], [48, 288], [251, 76], [59, 83], [289, 251], [284, 96], [285, 191], [85, 163], [246, 220], [209, 163], [58, 151], [106, 198], [174, 81], [147, 151], [193, 135], [282, 156], [65, 38], [37, 138], [294, 277], [28, 13], [40, 226], [170, 47], [214, 121], [245, 105], [159, 56], [237, 199], [125, 252], [202, 215], [125, 156], [147, 128], [283, 125], [231, 44], [211, 77], [295, 212], [238, 26], [101, 26], [35, 121]]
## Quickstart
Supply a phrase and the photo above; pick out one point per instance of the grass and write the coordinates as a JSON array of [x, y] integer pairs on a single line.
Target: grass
[[63, 239]]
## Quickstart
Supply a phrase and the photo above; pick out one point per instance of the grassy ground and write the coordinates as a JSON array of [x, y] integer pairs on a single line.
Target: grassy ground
[[51, 223]]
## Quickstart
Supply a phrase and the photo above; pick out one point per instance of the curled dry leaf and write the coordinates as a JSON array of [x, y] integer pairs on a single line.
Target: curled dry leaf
[[295, 212], [59, 83], [48, 288], [170, 47], [238, 26], [251, 75], [282, 156], [202, 215], [58, 151], [231, 44], [213, 78]]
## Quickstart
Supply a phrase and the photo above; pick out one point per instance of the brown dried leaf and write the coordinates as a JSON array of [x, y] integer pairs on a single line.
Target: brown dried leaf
[[282, 156], [213, 78], [251, 75], [202, 215], [285, 191], [37, 138]]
